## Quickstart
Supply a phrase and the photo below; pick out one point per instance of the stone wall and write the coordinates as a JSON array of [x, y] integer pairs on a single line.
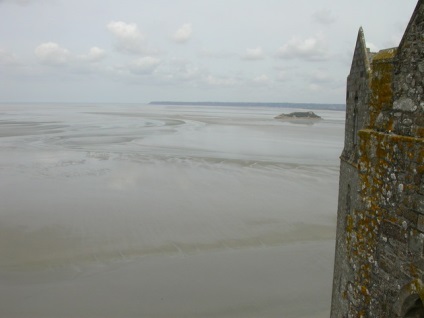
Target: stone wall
[[344, 272], [384, 239], [408, 82], [379, 263], [357, 97], [357, 100]]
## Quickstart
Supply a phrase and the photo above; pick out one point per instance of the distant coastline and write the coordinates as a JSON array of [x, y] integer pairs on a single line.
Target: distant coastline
[[341, 107]]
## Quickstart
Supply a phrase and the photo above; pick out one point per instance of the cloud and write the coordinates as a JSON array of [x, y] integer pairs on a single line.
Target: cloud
[[321, 79], [311, 49], [189, 73], [18, 2], [95, 54], [393, 41], [51, 53], [128, 37], [177, 71], [372, 47], [324, 16], [219, 81], [254, 54], [262, 79], [395, 35], [315, 87], [144, 65], [282, 76], [183, 34], [320, 76], [206, 53], [7, 58]]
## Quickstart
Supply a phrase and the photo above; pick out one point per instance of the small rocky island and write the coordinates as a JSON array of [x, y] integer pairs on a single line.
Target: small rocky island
[[299, 115]]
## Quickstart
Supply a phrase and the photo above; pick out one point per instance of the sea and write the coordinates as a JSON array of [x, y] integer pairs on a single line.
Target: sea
[[146, 210]]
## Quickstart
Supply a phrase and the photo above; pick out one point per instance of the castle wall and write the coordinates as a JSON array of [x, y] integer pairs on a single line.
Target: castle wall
[[381, 101], [357, 117], [357, 97], [384, 240], [343, 271], [379, 265], [409, 75]]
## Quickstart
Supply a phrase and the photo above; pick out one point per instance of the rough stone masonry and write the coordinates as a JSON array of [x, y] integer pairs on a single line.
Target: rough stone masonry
[[379, 262]]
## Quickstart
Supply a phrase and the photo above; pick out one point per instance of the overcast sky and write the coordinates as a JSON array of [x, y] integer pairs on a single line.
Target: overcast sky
[[188, 50]]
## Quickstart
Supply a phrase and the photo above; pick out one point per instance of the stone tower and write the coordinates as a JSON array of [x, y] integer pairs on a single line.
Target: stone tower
[[379, 262]]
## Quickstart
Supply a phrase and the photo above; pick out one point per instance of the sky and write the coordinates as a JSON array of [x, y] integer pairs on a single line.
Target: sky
[[136, 51]]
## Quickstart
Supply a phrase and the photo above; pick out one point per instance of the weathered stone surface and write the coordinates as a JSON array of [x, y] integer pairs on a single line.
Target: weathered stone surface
[[410, 215], [405, 105], [393, 231], [379, 263], [419, 203], [416, 245], [420, 224]]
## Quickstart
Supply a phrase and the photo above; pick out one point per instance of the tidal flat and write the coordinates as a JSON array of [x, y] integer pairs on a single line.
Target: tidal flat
[[112, 210]]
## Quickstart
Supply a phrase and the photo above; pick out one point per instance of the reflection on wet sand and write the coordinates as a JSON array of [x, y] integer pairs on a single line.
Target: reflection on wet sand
[[57, 246]]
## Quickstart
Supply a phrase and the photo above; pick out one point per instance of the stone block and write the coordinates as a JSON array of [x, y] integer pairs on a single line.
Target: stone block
[[410, 215], [418, 204], [393, 231], [405, 104], [415, 243], [385, 264], [420, 224]]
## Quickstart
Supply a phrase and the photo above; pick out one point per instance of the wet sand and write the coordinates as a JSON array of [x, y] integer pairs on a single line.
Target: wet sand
[[154, 211]]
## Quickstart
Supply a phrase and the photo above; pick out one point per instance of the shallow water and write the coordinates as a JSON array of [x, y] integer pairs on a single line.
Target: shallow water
[[146, 199]]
